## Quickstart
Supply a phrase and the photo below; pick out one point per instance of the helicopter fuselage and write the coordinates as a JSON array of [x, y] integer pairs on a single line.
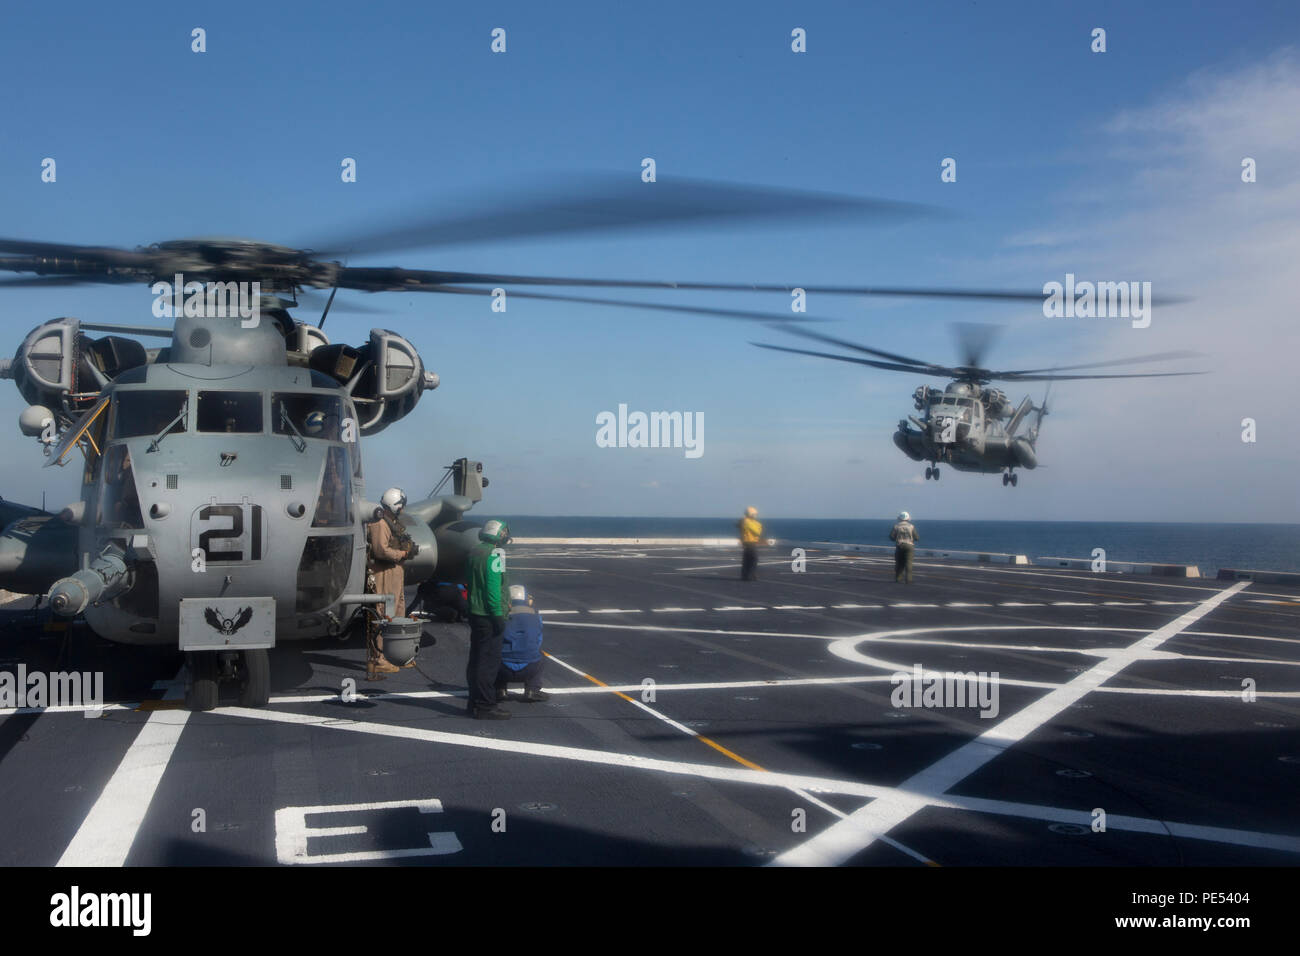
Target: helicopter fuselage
[[235, 486], [968, 427]]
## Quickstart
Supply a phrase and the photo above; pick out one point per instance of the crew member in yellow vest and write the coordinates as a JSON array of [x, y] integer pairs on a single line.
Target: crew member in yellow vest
[[751, 534]]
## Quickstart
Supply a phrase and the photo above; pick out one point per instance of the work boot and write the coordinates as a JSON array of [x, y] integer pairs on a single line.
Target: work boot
[[382, 665], [490, 713], [370, 671], [536, 696]]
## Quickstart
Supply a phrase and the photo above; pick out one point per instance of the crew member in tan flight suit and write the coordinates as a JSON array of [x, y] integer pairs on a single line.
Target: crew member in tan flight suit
[[389, 546]]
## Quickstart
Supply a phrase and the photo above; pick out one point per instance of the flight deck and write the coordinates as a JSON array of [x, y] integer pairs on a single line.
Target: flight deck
[[806, 718]]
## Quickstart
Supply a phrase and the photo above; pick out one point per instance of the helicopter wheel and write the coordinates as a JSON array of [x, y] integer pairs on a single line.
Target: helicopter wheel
[[936, 473], [254, 678], [1014, 479], [201, 691], [1006, 480], [929, 473]]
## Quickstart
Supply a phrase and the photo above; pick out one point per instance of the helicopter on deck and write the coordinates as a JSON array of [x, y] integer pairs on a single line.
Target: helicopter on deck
[[967, 424], [222, 503]]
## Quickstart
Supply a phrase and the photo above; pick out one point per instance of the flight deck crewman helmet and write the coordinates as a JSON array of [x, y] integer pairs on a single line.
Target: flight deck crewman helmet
[[904, 516], [495, 532], [394, 500]]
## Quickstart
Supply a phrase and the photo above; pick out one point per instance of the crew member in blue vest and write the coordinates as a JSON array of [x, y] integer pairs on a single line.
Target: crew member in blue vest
[[521, 649]]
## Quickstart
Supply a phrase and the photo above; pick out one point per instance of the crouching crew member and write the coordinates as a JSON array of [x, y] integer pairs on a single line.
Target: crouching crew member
[[521, 649]]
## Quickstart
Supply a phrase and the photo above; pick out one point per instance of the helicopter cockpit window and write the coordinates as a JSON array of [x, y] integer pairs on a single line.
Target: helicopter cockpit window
[[311, 416], [323, 571], [334, 506], [147, 412], [119, 505], [232, 412]]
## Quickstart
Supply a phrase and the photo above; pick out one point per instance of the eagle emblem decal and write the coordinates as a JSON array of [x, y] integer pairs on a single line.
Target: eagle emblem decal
[[227, 625]]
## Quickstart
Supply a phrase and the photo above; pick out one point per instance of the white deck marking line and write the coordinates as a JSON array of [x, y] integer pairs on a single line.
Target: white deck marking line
[[735, 565], [603, 757], [850, 836], [69, 708], [109, 829], [1252, 838], [846, 607], [643, 706], [520, 567], [694, 630], [768, 779], [624, 688]]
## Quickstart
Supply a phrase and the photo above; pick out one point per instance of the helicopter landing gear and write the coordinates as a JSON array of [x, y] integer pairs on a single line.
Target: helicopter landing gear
[[201, 691], [254, 678], [932, 473], [249, 670], [1010, 479]]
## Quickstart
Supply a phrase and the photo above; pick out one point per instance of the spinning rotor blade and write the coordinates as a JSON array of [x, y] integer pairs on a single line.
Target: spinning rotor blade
[[843, 358], [607, 202], [1154, 357], [503, 279], [974, 339], [653, 306], [843, 343], [1014, 377]]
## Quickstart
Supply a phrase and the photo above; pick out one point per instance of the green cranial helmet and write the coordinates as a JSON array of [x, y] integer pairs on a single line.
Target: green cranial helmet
[[495, 532]]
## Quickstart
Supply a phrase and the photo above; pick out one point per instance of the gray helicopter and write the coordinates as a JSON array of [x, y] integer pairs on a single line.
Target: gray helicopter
[[222, 503], [967, 424]]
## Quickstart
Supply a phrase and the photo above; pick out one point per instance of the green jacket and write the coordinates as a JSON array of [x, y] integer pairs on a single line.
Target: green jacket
[[489, 590]]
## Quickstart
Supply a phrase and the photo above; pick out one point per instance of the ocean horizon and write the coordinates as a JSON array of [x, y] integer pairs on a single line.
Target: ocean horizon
[[1208, 545]]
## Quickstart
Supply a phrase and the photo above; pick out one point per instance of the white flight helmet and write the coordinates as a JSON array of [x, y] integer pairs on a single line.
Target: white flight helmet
[[518, 595], [904, 516], [394, 500]]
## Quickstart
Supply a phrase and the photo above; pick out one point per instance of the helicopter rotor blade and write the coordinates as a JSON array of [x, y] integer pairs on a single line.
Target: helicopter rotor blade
[[503, 279], [894, 366], [844, 343], [768, 317], [605, 202], [974, 339], [1154, 357], [1013, 377]]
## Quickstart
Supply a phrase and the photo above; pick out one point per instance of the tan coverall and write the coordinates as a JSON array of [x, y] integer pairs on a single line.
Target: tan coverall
[[390, 577]]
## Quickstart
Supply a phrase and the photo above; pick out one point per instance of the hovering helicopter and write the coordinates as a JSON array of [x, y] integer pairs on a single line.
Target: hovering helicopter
[[967, 424], [222, 503]]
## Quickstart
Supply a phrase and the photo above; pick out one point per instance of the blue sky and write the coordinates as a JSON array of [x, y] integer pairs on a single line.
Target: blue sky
[[1121, 165]]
